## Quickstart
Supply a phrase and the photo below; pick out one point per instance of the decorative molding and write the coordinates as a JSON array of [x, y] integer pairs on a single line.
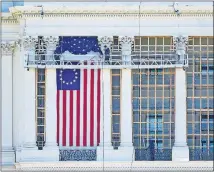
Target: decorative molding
[[9, 19], [51, 42], [105, 42], [111, 11], [115, 166], [180, 44], [29, 42], [78, 155], [8, 47]]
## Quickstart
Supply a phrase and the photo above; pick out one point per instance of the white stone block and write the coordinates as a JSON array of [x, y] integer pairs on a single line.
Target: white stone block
[[180, 153], [35, 155], [120, 154], [8, 157]]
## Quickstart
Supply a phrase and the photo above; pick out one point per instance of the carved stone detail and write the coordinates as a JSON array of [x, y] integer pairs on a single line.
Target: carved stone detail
[[126, 44], [78, 155], [180, 44], [7, 47], [126, 40], [51, 42], [105, 42], [29, 43]]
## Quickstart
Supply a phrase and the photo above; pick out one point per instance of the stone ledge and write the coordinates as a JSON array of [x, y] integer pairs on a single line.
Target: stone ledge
[[118, 166]]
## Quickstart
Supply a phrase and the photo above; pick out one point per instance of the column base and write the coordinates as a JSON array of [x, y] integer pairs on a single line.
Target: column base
[[8, 156], [48, 154], [180, 153], [111, 154], [53, 152]]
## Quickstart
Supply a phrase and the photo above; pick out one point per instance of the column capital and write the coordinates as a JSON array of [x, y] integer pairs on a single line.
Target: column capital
[[105, 42], [29, 42], [51, 42], [180, 44], [126, 43], [126, 40], [7, 47]]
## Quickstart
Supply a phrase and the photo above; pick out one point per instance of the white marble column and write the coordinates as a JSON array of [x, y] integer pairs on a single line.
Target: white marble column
[[51, 111], [126, 93], [105, 149], [126, 108], [50, 106], [8, 155], [180, 151], [105, 121], [126, 100], [51, 148], [29, 96], [29, 109]]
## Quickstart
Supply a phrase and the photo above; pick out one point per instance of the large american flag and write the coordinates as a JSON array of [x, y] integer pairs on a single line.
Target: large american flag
[[78, 98], [78, 107]]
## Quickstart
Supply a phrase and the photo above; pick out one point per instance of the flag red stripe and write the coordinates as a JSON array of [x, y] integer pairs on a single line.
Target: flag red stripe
[[64, 119], [57, 104], [92, 109], [85, 108], [71, 119], [98, 105], [78, 119]]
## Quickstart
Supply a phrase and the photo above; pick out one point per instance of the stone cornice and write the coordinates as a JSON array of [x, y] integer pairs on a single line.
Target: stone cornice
[[9, 20], [111, 11]]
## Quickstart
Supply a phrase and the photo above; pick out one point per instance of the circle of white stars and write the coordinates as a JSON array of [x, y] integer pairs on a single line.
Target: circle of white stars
[[71, 82]]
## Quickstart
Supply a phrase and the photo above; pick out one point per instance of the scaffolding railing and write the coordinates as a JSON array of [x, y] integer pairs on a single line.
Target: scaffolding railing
[[134, 61]]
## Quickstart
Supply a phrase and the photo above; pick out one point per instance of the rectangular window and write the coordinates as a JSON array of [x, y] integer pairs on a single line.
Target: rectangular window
[[200, 93], [40, 106], [115, 75], [153, 106]]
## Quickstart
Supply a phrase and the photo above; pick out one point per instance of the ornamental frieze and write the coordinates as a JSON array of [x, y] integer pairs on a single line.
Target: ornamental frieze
[[111, 11]]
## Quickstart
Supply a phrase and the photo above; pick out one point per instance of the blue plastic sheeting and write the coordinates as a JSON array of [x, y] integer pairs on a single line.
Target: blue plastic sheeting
[[6, 5]]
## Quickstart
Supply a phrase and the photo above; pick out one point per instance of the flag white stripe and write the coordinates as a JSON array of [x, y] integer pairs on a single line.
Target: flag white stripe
[[67, 117], [95, 106], [60, 116], [88, 105], [74, 117], [81, 105]]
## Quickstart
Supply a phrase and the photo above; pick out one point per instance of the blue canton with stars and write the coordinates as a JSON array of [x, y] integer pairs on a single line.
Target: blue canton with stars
[[68, 79], [78, 45]]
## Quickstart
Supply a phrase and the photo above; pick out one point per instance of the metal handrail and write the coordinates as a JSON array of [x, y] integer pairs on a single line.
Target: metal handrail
[[160, 60]]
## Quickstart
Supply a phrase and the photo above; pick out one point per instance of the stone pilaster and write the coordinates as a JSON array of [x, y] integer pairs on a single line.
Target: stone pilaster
[[8, 155]]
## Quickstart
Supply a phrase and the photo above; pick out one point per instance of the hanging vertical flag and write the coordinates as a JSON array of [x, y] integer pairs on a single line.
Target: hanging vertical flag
[[78, 96], [78, 107]]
